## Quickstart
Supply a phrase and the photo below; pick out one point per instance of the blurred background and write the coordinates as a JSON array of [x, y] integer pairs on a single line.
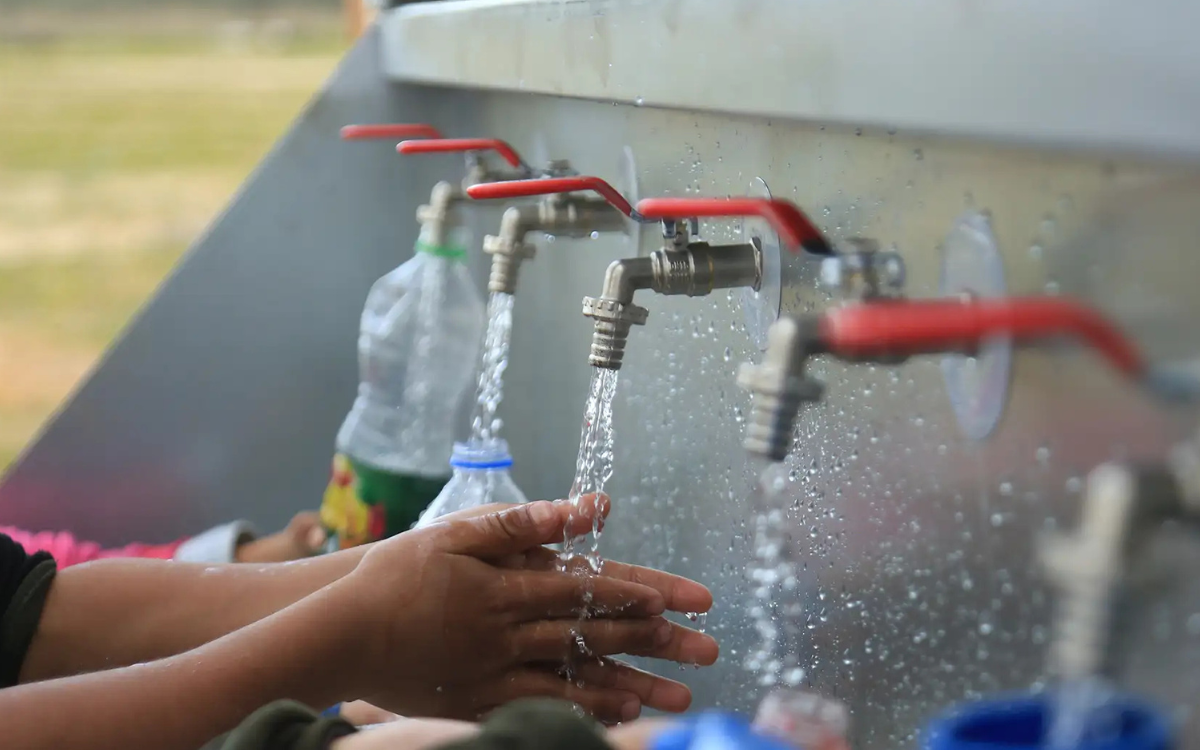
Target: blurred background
[[125, 126]]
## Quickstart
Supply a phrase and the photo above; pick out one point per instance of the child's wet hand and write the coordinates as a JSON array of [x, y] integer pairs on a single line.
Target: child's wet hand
[[361, 713], [443, 629], [303, 537], [410, 734]]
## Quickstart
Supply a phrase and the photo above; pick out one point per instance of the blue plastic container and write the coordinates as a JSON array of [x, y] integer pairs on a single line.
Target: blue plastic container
[[1021, 722]]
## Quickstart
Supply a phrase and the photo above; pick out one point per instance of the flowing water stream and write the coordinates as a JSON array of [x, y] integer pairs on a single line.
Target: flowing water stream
[[593, 467], [1082, 712], [776, 610], [484, 424]]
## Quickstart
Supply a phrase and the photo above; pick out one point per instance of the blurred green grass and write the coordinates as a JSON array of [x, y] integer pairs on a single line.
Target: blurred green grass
[[115, 151]]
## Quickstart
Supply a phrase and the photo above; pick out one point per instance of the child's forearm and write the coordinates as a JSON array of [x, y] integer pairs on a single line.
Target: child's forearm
[[114, 613], [184, 701]]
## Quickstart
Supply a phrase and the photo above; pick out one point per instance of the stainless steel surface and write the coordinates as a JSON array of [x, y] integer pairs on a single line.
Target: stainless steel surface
[[915, 543], [921, 586], [1084, 73]]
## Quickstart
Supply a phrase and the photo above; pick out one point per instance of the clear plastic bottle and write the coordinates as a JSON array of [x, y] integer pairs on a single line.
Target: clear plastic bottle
[[480, 477], [419, 345]]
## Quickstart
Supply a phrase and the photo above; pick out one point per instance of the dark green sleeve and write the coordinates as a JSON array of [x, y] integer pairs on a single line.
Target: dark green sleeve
[[30, 580], [536, 725], [287, 725]]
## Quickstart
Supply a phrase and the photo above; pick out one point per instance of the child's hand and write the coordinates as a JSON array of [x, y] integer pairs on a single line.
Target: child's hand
[[303, 537], [434, 626], [361, 714], [410, 734]]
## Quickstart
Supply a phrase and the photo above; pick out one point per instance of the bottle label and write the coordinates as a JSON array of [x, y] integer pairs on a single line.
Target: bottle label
[[363, 504]]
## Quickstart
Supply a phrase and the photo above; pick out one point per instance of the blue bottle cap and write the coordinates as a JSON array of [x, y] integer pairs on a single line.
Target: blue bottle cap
[[491, 454], [1022, 722]]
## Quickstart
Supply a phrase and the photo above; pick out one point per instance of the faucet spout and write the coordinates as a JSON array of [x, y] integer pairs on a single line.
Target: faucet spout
[[626, 276], [436, 214], [614, 311], [1094, 566], [558, 215], [694, 270], [780, 386]]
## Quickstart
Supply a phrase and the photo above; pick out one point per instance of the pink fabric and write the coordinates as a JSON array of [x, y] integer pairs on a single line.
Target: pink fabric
[[67, 550]]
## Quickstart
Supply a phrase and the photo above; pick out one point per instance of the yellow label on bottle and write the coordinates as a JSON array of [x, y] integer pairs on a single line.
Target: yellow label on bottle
[[343, 511]]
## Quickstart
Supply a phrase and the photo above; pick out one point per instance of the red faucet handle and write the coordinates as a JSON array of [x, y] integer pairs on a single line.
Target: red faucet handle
[[794, 228], [551, 185], [445, 145], [391, 131], [938, 325]]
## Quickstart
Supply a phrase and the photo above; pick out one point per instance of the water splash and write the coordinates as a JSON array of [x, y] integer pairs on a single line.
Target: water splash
[[776, 610], [593, 469], [594, 466], [484, 424], [1082, 713]]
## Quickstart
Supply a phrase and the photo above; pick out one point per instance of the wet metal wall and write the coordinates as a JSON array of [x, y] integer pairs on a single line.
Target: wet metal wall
[[917, 543], [918, 585]]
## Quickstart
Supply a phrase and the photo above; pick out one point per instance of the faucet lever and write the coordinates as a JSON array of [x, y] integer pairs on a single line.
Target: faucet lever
[[395, 131], [785, 217], [440, 145], [940, 325], [552, 185]]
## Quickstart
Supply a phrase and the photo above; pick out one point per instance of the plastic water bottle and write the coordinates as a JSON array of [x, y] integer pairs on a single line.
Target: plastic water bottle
[[1025, 721], [480, 477], [419, 345]]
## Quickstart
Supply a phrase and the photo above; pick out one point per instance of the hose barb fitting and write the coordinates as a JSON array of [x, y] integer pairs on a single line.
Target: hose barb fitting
[[780, 387]]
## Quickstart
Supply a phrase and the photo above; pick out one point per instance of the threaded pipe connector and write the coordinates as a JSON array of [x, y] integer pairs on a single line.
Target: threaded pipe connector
[[506, 261], [505, 269], [613, 322], [608, 345], [777, 398], [770, 426]]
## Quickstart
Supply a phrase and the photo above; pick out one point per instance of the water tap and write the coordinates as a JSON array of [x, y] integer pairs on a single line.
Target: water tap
[[859, 269], [562, 212], [445, 196], [1100, 567], [1094, 567], [681, 266], [887, 331], [433, 141]]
